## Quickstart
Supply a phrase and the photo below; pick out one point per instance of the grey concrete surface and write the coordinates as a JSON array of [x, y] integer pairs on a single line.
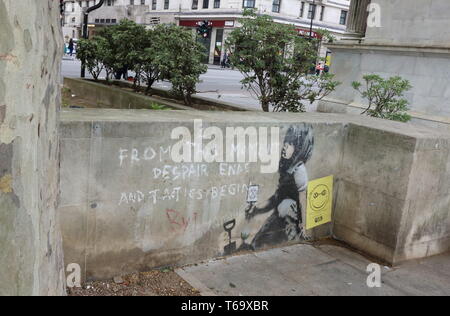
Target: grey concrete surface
[[306, 270], [126, 207], [406, 44], [31, 258], [417, 23]]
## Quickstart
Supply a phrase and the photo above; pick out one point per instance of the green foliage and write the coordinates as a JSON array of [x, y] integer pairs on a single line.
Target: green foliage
[[179, 59], [385, 97], [145, 65], [157, 106], [90, 52], [167, 52], [128, 41], [275, 62], [292, 95], [121, 46]]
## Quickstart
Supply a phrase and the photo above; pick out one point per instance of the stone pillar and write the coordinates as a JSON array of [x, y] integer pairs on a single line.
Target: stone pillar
[[31, 258], [357, 21]]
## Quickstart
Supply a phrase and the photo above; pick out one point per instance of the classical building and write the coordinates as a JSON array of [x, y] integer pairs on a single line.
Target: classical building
[[408, 38], [223, 16]]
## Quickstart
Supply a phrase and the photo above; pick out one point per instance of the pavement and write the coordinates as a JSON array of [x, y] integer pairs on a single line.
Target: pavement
[[306, 270]]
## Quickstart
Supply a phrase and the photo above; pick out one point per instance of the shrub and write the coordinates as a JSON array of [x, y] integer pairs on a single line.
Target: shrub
[[168, 52], [179, 59], [89, 52], [275, 60], [385, 97]]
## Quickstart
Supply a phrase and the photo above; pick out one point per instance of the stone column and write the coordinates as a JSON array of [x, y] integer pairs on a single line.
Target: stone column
[[31, 258], [357, 21]]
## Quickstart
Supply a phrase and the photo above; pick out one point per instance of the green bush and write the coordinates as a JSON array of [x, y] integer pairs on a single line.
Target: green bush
[[167, 52], [275, 62], [179, 59], [385, 97], [89, 51]]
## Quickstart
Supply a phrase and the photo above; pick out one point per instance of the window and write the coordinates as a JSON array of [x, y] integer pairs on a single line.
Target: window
[[322, 13], [153, 4], [312, 11], [194, 4], [276, 6], [205, 4], [131, 2], [248, 4], [142, 2], [216, 4], [302, 9], [166, 4], [343, 20]]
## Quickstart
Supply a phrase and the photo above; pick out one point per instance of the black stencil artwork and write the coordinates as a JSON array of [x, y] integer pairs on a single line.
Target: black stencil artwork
[[285, 222]]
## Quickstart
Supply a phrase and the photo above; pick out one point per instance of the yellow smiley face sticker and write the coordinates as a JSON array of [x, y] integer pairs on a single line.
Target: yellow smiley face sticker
[[319, 198], [320, 201]]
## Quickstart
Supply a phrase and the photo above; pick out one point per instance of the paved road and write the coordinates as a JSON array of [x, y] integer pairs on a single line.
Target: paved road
[[304, 270], [216, 84]]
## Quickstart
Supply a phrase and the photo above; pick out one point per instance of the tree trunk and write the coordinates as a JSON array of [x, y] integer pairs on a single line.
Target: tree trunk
[[265, 104], [31, 259]]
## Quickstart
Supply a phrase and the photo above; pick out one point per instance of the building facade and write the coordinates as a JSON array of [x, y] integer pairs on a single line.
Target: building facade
[[222, 15]]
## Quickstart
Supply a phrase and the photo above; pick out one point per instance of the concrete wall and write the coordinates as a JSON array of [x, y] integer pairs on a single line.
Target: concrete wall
[[411, 43], [428, 73], [31, 259], [127, 206], [412, 23]]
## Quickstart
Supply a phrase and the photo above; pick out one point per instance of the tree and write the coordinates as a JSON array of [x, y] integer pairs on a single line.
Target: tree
[[129, 41], [121, 46], [89, 51], [292, 95], [275, 61], [167, 52], [385, 97], [107, 51], [145, 66], [179, 59]]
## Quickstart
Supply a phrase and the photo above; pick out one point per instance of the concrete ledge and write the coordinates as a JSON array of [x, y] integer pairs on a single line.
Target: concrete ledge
[[411, 48], [329, 105], [125, 207], [163, 97], [113, 97]]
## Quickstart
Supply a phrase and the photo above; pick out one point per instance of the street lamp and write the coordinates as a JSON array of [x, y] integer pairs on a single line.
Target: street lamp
[[85, 29]]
